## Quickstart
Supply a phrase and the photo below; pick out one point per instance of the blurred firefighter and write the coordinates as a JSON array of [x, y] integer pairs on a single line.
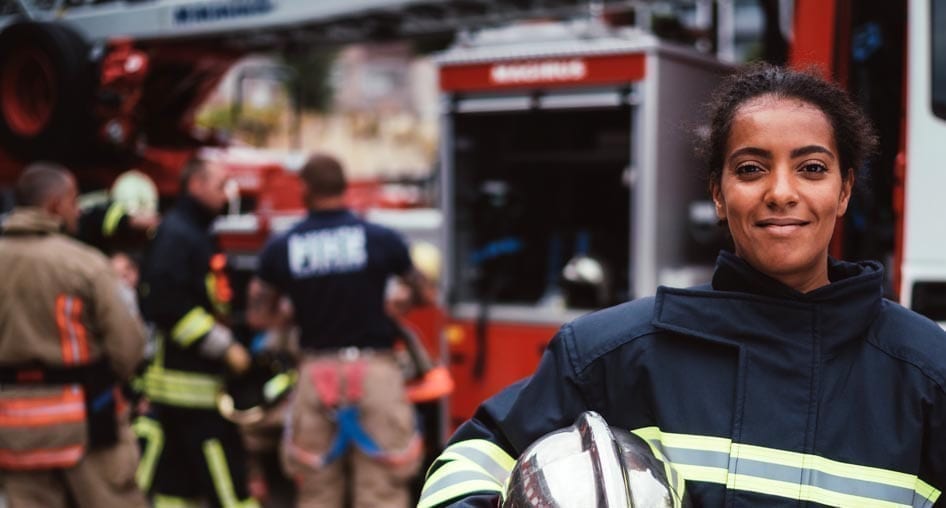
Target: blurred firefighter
[[126, 219], [66, 339], [192, 452], [351, 429]]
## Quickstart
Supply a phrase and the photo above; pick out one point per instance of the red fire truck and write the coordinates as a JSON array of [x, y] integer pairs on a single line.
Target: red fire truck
[[105, 87]]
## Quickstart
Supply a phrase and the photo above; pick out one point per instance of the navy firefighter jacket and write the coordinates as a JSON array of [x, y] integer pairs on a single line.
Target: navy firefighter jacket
[[757, 394], [183, 294]]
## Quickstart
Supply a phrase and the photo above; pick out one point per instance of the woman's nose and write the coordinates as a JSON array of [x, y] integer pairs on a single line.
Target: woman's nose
[[782, 190]]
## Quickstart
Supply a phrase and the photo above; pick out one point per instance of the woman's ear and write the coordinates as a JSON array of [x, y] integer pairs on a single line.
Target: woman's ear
[[847, 187], [718, 200]]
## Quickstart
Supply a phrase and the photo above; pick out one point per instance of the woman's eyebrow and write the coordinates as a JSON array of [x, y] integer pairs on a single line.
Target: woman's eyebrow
[[810, 149], [751, 150]]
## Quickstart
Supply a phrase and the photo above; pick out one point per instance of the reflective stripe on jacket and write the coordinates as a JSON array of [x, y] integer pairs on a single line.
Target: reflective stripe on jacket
[[180, 388]]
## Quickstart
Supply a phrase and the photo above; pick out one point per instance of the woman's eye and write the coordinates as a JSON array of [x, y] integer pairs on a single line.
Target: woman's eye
[[747, 169], [814, 168]]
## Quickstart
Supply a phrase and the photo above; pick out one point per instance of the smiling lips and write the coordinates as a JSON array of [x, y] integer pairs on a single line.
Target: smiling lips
[[782, 226]]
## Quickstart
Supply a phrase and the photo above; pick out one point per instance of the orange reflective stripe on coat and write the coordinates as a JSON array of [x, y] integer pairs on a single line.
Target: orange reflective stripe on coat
[[21, 413], [42, 458], [25, 412], [67, 407], [73, 338]]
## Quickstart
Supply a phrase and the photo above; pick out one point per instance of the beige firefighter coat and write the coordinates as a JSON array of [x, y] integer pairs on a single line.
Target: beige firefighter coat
[[59, 305]]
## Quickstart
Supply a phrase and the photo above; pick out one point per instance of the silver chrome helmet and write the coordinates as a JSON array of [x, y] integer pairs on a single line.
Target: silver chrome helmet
[[590, 464]]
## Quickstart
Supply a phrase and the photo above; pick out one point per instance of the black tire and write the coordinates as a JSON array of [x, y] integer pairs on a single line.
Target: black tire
[[46, 84]]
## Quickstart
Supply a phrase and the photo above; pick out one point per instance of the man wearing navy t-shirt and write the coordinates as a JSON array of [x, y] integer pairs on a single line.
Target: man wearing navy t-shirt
[[351, 429]]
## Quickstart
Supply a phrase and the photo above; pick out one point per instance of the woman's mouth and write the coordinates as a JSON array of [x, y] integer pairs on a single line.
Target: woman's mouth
[[782, 226]]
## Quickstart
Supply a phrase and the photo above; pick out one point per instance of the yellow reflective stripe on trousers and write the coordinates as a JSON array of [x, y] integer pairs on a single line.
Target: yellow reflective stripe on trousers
[[178, 388], [112, 217], [162, 501], [788, 474], [149, 430], [194, 325], [475, 465], [220, 474]]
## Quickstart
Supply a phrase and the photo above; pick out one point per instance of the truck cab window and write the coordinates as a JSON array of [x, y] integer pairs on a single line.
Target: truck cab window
[[534, 190], [938, 52]]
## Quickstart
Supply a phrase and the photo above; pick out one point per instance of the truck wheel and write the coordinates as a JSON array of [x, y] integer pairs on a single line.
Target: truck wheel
[[45, 89]]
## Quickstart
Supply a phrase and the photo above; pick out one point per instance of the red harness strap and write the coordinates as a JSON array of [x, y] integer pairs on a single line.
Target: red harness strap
[[338, 384], [324, 378], [354, 380]]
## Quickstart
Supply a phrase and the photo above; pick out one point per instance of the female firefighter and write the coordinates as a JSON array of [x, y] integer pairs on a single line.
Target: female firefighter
[[787, 381]]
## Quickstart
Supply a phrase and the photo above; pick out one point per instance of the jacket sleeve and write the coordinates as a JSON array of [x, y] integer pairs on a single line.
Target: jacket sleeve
[[173, 290], [472, 470], [933, 470], [121, 331], [100, 223]]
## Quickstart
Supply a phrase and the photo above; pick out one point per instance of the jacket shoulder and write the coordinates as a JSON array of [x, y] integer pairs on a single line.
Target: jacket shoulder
[[179, 224], [381, 231], [912, 338], [70, 248], [64, 255], [593, 335], [179, 234]]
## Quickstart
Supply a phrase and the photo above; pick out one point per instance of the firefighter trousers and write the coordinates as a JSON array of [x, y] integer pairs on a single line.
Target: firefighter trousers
[[190, 456], [351, 434], [104, 477]]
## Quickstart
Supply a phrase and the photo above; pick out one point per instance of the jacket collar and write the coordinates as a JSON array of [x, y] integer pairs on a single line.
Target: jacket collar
[[744, 306], [330, 213], [192, 208], [31, 221]]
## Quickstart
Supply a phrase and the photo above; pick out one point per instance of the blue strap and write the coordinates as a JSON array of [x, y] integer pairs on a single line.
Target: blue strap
[[348, 420], [350, 432], [102, 400]]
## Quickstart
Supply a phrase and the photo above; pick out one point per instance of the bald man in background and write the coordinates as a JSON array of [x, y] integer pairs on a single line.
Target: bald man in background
[[66, 340]]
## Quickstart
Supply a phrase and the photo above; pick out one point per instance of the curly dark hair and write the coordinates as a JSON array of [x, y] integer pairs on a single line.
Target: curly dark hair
[[853, 132]]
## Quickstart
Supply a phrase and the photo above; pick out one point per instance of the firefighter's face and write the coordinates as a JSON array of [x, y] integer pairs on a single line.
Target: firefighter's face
[[209, 187], [66, 206], [781, 189]]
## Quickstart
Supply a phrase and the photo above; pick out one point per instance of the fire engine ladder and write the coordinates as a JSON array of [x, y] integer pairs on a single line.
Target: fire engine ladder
[[99, 20], [258, 22]]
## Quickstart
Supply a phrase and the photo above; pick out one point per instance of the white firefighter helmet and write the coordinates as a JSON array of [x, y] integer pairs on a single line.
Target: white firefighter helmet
[[136, 192], [590, 464]]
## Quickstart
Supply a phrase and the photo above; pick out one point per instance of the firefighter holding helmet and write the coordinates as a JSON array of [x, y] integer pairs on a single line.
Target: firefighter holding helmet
[[787, 381]]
